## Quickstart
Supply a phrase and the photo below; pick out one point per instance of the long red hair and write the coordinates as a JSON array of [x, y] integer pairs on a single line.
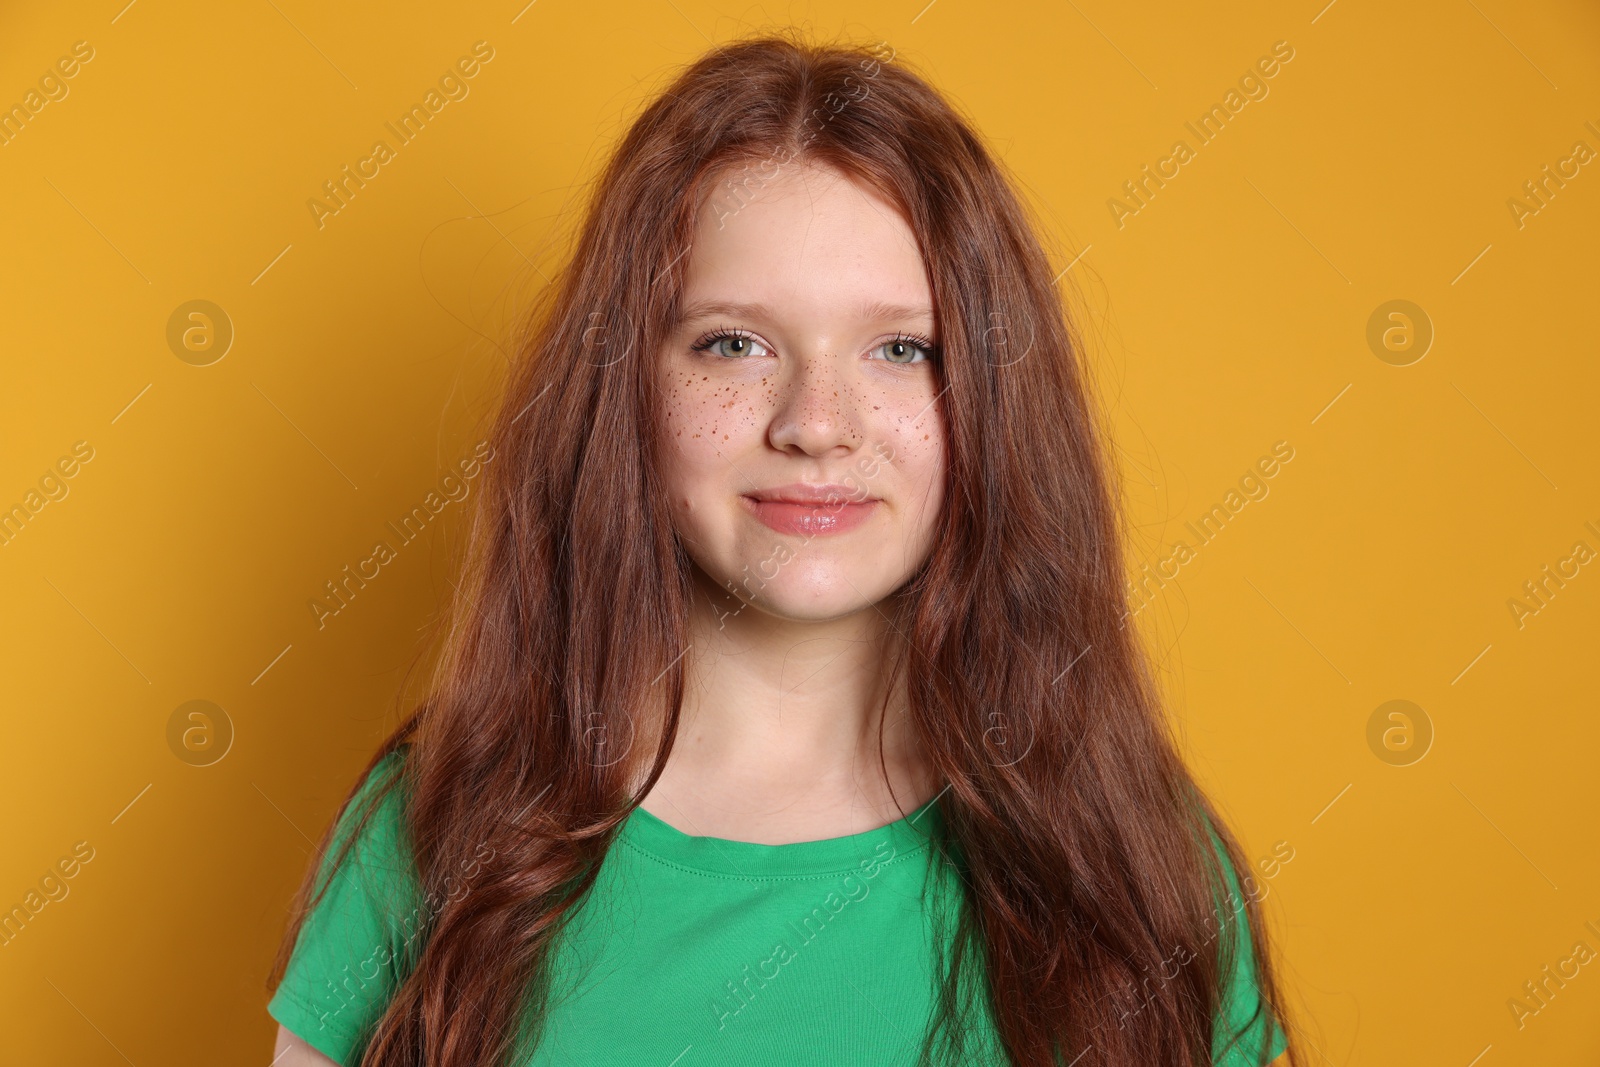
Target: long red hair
[[1092, 896]]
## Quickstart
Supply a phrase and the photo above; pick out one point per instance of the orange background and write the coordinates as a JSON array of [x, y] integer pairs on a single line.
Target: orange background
[[1228, 313]]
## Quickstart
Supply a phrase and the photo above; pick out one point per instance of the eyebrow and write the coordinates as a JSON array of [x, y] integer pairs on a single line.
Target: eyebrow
[[872, 311]]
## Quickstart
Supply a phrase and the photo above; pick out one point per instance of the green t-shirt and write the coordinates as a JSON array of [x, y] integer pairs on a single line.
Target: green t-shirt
[[689, 952]]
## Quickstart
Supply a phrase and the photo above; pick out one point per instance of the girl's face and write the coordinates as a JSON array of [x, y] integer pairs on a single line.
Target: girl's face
[[804, 366]]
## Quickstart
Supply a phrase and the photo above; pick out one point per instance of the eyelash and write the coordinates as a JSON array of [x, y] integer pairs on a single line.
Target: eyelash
[[722, 332]]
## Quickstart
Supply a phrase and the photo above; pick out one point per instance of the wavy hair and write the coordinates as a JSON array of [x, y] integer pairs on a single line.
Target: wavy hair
[[1091, 890]]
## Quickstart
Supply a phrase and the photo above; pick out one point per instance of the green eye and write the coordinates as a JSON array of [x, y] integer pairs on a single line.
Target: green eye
[[729, 344], [905, 350]]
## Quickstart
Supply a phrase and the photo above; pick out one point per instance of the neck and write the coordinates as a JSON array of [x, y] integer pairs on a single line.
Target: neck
[[778, 737]]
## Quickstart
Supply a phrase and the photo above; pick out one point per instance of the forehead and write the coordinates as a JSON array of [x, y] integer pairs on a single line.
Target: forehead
[[807, 241]]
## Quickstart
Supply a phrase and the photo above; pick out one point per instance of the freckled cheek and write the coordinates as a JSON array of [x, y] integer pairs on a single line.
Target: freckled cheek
[[704, 426], [712, 419], [918, 466], [916, 433]]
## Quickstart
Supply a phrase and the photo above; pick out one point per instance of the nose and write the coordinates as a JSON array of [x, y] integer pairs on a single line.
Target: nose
[[818, 411]]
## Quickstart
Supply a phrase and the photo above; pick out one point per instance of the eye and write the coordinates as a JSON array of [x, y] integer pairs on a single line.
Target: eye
[[729, 344], [904, 348]]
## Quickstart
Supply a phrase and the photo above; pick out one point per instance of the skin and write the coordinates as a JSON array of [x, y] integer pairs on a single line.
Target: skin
[[290, 1051], [789, 634]]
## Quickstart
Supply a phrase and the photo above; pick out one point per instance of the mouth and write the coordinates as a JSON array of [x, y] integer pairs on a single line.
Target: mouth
[[810, 510]]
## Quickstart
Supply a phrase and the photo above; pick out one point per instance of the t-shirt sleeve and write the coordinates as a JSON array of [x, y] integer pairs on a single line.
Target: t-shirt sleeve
[[361, 936], [1247, 1033]]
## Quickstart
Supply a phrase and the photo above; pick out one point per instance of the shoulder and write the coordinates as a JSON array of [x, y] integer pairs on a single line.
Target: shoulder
[[387, 775], [370, 828], [1247, 1032], [364, 922]]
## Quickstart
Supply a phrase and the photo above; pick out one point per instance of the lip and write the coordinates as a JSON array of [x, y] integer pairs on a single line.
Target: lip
[[805, 493], [809, 510]]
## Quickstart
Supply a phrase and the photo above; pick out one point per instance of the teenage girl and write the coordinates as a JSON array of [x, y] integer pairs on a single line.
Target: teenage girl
[[790, 712]]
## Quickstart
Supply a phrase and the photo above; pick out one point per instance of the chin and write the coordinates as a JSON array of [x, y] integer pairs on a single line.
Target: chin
[[835, 605], [818, 592]]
